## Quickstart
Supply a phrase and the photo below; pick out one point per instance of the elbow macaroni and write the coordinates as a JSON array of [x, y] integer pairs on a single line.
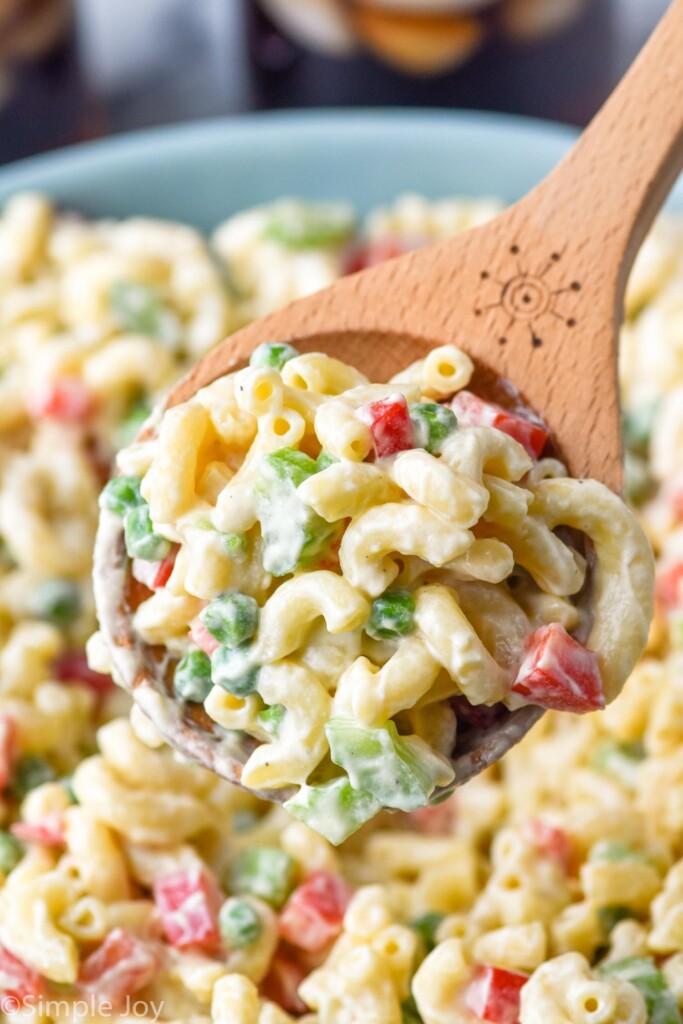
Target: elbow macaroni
[[515, 904]]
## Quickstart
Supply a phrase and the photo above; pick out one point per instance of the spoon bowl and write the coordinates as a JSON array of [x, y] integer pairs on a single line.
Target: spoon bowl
[[535, 298]]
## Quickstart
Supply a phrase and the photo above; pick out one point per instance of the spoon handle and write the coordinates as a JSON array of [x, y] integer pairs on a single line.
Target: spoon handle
[[609, 189]]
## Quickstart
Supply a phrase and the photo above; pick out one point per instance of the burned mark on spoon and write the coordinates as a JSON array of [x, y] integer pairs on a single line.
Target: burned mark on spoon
[[528, 299]]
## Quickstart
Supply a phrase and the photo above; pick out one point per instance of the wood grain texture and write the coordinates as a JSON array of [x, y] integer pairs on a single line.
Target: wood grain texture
[[536, 296]]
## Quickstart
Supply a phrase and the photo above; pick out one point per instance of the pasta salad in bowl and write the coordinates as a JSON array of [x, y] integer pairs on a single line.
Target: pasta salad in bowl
[[136, 885]]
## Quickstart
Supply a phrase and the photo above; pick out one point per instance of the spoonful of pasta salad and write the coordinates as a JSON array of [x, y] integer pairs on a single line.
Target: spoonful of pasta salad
[[348, 595]]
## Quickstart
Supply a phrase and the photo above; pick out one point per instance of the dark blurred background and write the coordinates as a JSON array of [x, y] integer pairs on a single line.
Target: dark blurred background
[[79, 69]]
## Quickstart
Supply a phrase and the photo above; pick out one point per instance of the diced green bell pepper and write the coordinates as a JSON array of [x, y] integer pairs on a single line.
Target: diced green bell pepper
[[400, 772], [293, 534], [325, 460], [334, 809], [310, 227]]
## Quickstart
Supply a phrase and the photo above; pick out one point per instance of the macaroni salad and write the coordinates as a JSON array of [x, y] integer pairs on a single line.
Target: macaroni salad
[[329, 562], [137, 886]]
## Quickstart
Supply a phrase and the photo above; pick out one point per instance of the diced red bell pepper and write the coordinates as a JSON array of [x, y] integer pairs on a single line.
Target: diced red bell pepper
[[552, 842], [189, 901], [434, 821], [72, 667], [123, 964], [155, 575], [200, 636], [670, 586], [282, 982], [49, 831], [20, 984], [493, 994], [9, 750], [472, 411], [557, 672], [390, 425], [314, 913], [66, 399], [370, 254]]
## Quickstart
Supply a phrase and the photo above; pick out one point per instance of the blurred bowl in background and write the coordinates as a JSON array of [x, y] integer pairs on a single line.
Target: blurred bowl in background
[[419, 37]]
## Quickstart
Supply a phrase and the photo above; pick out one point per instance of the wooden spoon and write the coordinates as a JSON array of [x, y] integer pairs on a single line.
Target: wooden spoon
[[536, 299]]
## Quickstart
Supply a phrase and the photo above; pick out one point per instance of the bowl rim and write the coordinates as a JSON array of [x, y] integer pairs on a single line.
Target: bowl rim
[[273, 125]]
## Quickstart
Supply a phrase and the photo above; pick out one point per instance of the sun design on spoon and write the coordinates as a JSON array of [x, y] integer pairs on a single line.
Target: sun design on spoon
[[528, 297]]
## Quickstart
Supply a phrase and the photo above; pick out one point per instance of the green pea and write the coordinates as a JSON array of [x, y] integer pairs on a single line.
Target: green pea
[[391, 616], [128, 427], [139, 308], [140, 538], [271, 718], [192, 677], [236, 546], [122, 494], [232, 618], [233, 670], [31, 771], [432, 424], [57, 601], [637, 425], [67, 784], [610, 916], [409, 1012], [614, 851], [620, 759], [265, 872], [11, 852], [426, 927], [239, 923], [272, 354], [643, 974]]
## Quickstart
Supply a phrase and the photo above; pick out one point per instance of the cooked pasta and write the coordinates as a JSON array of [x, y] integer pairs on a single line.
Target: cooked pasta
[[134, 885]]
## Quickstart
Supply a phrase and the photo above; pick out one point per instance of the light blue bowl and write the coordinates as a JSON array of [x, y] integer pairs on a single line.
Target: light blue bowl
[[201, 173]]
